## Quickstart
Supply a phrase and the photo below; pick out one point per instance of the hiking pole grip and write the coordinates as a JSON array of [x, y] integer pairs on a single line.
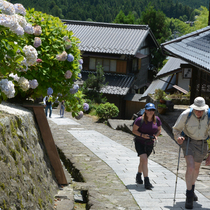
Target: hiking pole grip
[[177, 174]]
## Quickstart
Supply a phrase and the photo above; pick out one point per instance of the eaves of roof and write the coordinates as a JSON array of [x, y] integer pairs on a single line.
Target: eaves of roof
[[116, 84], [109, 37], [193, 48], [156, 84], [172, 66]]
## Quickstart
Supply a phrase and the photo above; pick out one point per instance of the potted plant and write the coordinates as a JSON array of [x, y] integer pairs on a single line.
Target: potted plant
[[162, 108], [160, 95]]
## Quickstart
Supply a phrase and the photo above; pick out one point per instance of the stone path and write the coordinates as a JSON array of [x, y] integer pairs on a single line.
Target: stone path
[[124, 163]]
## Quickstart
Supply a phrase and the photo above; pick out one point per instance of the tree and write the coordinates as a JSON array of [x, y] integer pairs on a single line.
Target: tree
[[201, 20], [93, 85], [157, 22], [123, 19]]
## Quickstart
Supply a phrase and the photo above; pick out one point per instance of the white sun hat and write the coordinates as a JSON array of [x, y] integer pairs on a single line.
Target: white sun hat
[[199, 104]]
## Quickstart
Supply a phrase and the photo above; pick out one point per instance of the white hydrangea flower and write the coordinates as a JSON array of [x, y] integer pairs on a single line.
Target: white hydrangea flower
[[31, 54], [21, 20], [7, 87], [33, 83], [7, 8], [19, 30], [24, 83], [9, 21], [29, 29], [14, 76], [19, 8], [24, 64]]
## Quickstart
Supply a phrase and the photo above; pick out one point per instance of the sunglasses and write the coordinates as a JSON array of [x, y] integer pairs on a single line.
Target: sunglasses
[[151, 110]]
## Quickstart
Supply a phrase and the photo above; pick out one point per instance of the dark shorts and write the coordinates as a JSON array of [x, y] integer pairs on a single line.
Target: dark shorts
[[197, 148], [143, 149]]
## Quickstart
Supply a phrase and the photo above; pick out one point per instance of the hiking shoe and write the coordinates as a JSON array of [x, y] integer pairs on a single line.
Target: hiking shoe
[[189, 202], [195, 197], [139, 179], [147, 183]]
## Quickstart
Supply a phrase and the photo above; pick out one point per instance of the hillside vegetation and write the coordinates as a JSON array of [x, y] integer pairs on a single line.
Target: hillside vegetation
[[194, 3], [107, 10]]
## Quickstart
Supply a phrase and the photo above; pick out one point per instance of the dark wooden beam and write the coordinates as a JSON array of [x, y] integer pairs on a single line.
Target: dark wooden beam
[[49, 143]]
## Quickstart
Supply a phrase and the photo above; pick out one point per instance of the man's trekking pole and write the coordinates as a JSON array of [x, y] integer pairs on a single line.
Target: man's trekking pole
[[177, 174]]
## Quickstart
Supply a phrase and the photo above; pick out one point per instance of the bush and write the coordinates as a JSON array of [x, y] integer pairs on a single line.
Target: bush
[[106, 111]]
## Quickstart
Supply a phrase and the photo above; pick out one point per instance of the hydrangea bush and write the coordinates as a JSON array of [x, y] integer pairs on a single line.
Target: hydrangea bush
[[38, 53]]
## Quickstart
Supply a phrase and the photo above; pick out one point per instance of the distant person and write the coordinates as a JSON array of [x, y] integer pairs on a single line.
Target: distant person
[[48, 102], [191, 131], [146, 128], [62, 108]]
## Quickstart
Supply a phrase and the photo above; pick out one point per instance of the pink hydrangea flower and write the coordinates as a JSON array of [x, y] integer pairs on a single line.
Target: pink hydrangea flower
[[68, 74], [38, 60], [37, 30], [37, 42], [80, 115], [62, 56]]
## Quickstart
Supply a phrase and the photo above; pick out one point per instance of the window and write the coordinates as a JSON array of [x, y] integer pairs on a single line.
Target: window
[[108, 65], [113, 65], [92, 63]]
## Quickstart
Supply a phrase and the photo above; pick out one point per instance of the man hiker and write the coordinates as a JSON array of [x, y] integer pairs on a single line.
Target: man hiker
[[191, 132], [48, 102]]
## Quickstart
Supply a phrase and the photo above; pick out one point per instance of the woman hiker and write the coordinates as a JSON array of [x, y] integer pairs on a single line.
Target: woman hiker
[[146, 128]]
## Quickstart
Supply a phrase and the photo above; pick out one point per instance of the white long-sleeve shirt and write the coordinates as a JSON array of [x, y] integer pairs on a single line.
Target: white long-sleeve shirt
[[197, 129]]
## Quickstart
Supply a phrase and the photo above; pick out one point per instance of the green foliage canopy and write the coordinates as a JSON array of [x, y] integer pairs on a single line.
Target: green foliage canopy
[[57, 53]]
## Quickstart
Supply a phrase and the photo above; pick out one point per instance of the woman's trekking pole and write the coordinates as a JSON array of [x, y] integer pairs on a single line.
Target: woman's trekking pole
[[177, 174]]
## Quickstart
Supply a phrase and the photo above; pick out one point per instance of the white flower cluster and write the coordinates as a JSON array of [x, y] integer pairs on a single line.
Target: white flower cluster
[[33, 83], [24, 83], [31, 54], [7, 87], [12, 20], [14, 76]]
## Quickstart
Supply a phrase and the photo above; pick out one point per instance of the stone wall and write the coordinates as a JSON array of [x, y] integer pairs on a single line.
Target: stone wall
[[27, 179]]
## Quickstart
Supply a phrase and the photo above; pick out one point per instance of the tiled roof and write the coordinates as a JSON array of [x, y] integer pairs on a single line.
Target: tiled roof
[[157, 84], [109, 37], [117, 84], [173, 65], [193, 48]]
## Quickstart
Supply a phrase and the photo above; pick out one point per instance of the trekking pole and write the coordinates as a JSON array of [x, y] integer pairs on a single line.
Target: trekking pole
[[177, 174]]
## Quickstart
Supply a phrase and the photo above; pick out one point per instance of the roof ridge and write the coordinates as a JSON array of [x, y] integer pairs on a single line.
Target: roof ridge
[[103, 24], [194, 33]]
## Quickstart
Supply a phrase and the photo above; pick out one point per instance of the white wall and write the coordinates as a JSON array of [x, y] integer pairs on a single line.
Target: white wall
[[183, 83]]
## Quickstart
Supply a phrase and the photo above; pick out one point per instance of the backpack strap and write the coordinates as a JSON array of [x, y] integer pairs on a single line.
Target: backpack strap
[[188, 117], [208, 115]]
